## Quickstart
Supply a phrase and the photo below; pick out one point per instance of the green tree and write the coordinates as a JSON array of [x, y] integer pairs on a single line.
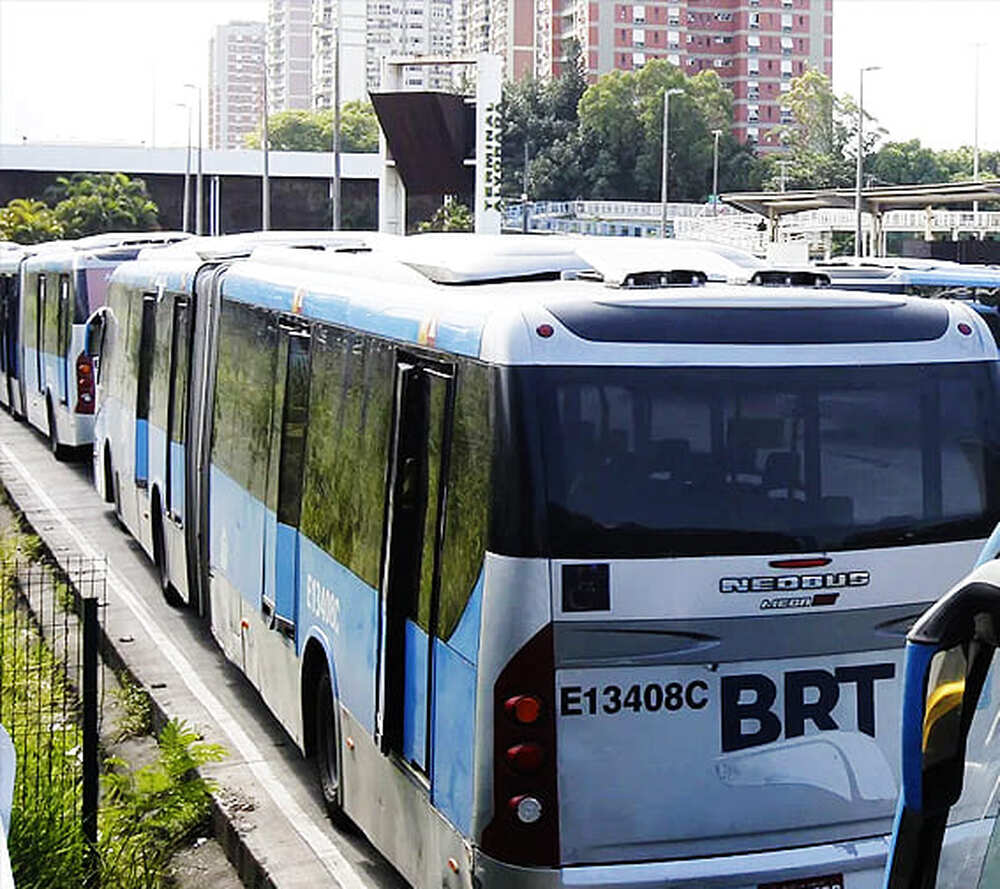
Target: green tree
[[621, 134], [91, 203], [313, 130], [543, 115], [821, 144], [451, 216], [906, 163], [29, 221]]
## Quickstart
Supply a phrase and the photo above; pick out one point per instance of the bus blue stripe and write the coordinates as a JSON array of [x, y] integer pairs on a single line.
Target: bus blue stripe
[[918, 658]]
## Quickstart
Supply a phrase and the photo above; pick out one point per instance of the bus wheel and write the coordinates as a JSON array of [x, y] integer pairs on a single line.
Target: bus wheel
[[170, 594], [326, 751], [58, 450]]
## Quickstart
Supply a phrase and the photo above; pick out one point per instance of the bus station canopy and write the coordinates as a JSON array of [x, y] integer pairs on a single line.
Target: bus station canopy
[[873, 200]]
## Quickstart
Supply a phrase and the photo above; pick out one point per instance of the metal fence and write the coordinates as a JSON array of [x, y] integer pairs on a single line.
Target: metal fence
[[51, 692]]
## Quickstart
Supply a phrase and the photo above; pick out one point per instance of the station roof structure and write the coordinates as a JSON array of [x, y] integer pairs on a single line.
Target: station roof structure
[[878, 200]]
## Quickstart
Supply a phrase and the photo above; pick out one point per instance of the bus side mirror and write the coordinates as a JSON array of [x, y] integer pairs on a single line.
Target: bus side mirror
[[948, 655]]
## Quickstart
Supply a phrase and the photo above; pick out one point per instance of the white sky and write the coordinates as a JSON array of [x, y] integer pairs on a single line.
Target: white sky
[[88, 70]]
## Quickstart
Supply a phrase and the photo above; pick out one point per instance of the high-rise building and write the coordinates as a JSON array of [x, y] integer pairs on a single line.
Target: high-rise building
[[352, 20], [289, 55], [410, 28], [235, 83], [755, 46], [519, 31]]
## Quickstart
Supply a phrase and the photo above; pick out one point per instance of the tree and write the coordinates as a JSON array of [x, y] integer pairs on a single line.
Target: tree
[[821, 142], [28, 221], [451, 216], [543, 115], [313, 130], [906, 163], [621, 133], [91, 203]]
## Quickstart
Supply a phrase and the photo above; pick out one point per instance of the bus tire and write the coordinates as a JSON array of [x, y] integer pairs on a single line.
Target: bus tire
[[170, 594], [58, 451], [326, 751]]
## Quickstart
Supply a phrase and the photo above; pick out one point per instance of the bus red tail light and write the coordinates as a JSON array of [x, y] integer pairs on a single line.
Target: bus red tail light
[[526, 757], [524, 709], [84, 384], [524, 830]]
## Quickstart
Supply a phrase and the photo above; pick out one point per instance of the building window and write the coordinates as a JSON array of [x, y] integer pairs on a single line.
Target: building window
[[674, 15], [753, 133], [723, 16], [674, 60], [754, 19], [753, 43], [753, 66], [638, 37], [786, 114], [639, 14], [786, 70], [786, 46], [753, 113], [673, 39], [638, 59], [786, 22]]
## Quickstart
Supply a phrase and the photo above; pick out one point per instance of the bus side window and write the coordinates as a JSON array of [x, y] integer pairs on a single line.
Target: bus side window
[[350, 407], [468, 495]]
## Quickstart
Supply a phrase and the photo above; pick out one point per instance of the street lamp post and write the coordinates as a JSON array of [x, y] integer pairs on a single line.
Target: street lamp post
[[334, 28], [715, 172], [265, 146], [198, 197], [860, 167], [663, 171], [187, 171], [975, 133]]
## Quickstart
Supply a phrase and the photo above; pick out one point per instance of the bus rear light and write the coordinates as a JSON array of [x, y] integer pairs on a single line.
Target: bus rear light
[[527, 809], [526, 757], [524, 827], [524, 709], [800, 563], [84, 384], [965, 329]]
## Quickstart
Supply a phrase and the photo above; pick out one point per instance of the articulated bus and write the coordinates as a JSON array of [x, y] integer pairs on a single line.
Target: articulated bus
[[59, 287], [561, 576]]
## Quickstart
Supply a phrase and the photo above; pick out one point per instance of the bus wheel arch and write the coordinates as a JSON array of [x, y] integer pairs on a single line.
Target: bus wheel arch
[[321, 734]]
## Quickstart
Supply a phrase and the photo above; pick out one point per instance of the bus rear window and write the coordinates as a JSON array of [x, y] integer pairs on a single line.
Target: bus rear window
[[712, 461]]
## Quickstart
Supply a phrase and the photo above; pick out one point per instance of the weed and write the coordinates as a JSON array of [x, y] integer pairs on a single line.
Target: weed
[[136, 718], [149, 812]]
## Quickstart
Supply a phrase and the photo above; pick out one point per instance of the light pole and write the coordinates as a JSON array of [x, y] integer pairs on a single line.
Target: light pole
[[975, 132], [334, 28], [187, 171], [857, 183], [265, 146], [663, 171], [715, 172], [198, 196]]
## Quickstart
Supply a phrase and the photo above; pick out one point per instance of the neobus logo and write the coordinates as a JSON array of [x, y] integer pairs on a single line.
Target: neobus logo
[[794, 582]]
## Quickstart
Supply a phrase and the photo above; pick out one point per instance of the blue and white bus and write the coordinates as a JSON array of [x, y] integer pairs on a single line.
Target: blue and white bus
[[562, 576], [60, 286]]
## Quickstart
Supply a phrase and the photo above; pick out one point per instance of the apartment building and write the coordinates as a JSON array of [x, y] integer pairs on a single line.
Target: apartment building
[[235, 83], [351, 18], [756, 46], [289, 55]]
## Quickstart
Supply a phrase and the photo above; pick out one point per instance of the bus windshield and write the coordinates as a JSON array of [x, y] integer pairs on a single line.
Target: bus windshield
[[658, 461]]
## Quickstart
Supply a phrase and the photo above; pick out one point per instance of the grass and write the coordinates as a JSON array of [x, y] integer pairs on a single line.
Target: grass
[[145, 814]]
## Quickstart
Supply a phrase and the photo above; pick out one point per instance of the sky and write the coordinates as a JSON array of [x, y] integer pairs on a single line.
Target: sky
[[113, 71]]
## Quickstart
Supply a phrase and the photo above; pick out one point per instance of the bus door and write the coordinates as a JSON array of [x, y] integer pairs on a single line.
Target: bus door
[[39, 331], [423, 405], [177, 409], [147, 331], [64, 327], [289, 416], [945, 834]]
